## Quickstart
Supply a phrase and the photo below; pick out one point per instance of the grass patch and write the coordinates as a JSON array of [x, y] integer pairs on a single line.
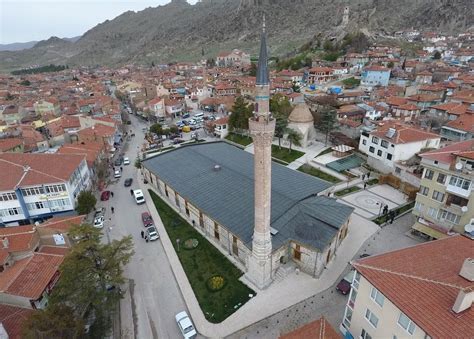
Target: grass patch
[[278, 161], [318, 173], [202, 263], [385, 218], [326, 151], [373, 182], [239, 139], [285, 155], [347, 191]]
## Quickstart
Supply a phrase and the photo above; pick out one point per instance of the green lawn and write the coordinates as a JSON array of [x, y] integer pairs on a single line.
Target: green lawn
[[399, 210], [202, 263], [326, 151], [239, 139], [318, 173], [347, 191], [372, 182], [285, 155]]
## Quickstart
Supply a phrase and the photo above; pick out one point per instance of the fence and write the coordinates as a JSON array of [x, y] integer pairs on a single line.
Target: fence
[[400, 185]]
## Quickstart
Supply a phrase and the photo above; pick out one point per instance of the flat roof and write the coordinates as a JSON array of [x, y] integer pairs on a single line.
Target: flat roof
[[226, 194]]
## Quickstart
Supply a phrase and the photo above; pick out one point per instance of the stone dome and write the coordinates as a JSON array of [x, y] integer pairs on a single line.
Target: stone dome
[[301, 114]]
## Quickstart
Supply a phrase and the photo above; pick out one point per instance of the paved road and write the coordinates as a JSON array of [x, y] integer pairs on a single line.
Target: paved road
[[155, 295]]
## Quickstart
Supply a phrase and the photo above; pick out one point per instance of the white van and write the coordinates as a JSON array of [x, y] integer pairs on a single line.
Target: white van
[[198, 115], [139, 198]]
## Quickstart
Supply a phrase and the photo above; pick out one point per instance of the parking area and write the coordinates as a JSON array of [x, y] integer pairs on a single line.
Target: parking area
[[369, 203]]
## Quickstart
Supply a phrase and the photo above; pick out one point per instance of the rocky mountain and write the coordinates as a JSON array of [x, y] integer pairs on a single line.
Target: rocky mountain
[[179, 31]]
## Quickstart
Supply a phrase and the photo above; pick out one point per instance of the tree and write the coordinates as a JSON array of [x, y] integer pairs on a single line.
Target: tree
[[295, 87], [281, 109], [56, 322], [327, 121], [138, 162], [253, 69], [390, 64], [294, 138], [156, 128], [25, 83], [91, 275], [241, 112], [85, 202], [437, 55]]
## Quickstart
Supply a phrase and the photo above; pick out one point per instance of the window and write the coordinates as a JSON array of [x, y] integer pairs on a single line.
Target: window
[[365, 335], [8, 196], [32, 191], [364, 142], [419, 206], [347, 318], [36, 205], [10, 212], [389, 156], [59, 202], [429, 174], [55, 188], [441, 178], [448, 216], [398, 170], [460, 182], [424, 190], [371, 149], [187, 208], [355, 282], [384, 143], [376, 296], [406, 323], [352, 297], [438, 196], [379, 153], [375, 140], [216, 231], [433, 212], [371, 318]]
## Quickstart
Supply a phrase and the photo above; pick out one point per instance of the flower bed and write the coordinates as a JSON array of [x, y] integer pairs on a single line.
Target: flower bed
[[190, 244], [215, 283]]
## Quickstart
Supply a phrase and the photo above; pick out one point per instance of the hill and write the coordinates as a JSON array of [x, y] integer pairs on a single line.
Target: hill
[[179, 31]]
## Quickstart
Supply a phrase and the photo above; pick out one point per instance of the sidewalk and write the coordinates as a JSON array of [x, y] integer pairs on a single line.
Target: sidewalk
[[293, 289]]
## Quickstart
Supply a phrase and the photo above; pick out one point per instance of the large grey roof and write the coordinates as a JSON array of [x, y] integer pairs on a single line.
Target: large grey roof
[[227, 195]]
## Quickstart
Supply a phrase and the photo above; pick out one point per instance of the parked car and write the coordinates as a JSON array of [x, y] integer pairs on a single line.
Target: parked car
[[344, 285], [128, 182], [152, 233], [147, 219], [185, 115], [178, 141], [126, 161], [118, 161], [99, 222], [185, 325], [99, 212], [117, 174], [364, 255], [105, 196]]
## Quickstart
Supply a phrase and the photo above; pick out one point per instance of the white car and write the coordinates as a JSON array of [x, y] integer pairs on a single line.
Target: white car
[[185, 325], [117, 174], [152, 233], [99, 222], [126, 161], [139, 198]]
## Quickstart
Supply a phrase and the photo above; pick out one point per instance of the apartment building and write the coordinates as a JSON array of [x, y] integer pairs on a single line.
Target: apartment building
[[445, 202], [423, 291], [395, 142], [37, 186]]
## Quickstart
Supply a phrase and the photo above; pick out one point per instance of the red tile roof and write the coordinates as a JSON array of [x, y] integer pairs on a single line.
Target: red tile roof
[[10, 143], [36, 274], [464, 123], [423, 281], [12, 319], [404, 133], [43, 169], [63, 223], [318, 329], [449, 153]]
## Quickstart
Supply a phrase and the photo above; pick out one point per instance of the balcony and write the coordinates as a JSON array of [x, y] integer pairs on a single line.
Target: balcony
[[465, 193]]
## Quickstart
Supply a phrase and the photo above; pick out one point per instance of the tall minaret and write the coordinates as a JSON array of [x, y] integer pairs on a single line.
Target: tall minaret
[[262, 128]]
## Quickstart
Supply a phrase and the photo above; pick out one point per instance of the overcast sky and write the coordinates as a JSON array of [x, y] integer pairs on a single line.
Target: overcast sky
[[28, 20]]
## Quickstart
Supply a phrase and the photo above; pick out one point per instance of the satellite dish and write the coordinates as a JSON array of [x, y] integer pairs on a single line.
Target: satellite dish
[[464, 209], [469, 228], [458, 166]]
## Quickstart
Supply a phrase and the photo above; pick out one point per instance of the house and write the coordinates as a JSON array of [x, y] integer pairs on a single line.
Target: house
[[460, 129], [423, 291], [13, 326], [221, 127], [424, 101], [375, 76], [12, 115], [446, 199], [14, 145], [50, 106], [320, 75], [235, 58], [424, 77], [38, 186], [448, 110], [95, 153], [307, 227], [393, 142], [351, 112], [225, 89], [157, 106], [406, 112], [292, 76], [318, 329], [98, 133]]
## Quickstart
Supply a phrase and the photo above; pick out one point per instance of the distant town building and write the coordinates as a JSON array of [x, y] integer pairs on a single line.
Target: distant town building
[[234, 58]]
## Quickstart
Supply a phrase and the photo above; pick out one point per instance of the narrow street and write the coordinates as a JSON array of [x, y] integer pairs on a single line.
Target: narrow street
[[155, 295]]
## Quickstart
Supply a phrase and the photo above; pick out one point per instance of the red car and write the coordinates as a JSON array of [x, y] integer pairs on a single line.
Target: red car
[[146, 219], [105, 196]]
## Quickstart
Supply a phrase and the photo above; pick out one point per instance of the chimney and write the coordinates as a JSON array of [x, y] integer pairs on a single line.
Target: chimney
[[465, 296], [5, 242]]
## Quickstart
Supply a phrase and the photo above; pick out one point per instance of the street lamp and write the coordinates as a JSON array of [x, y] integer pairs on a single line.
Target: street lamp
[[177, 242], [380, 208]]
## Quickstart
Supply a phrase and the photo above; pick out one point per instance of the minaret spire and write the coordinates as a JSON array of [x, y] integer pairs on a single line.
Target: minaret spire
[[262, 128]]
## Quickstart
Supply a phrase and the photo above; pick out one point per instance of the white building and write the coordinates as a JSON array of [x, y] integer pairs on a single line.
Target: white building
[[424, 291], [37, 186], [391, 143], [234, 58]]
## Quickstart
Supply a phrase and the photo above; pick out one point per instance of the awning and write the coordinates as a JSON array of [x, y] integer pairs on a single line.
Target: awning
[[429, 231]]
